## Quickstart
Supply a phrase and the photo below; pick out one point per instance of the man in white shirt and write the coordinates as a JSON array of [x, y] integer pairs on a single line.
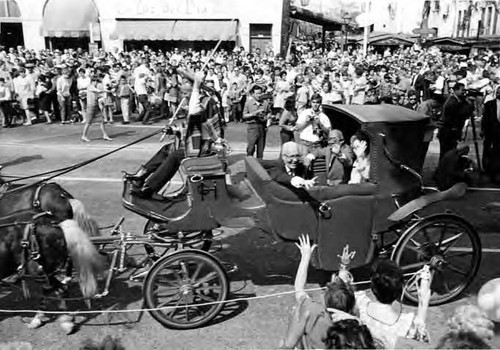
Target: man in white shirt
[[313, 124], [314, 127], [142, 97], [5, 97]]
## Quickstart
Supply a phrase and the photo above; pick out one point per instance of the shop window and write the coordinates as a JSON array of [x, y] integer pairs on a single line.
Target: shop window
[[261, 37], [459, 23], [495, 20], [488, 21], [11, 28], [9, 8]]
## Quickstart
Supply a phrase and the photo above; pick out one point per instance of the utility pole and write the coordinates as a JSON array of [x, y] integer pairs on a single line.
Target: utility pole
[[366, 30]]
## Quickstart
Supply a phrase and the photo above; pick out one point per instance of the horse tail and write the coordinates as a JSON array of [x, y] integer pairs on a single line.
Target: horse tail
[[84, 220], [87, 260]]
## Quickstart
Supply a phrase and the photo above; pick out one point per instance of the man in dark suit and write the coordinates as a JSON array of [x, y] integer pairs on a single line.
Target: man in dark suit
[[490, 128], [289, 170], [339, 159], [456, 111]]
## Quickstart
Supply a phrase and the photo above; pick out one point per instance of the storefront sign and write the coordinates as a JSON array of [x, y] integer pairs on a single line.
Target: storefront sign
[[161, 8]]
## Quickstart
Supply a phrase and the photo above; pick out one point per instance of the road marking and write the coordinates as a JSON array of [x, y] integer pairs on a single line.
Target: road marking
[[483, 250], [478, 189]]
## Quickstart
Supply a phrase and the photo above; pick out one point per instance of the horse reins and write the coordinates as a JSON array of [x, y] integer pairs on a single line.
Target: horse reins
[[65, 170]]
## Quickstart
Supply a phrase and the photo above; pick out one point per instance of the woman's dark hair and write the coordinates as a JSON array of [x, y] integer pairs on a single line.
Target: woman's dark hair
[[462, 340], [328, 83], [361, 136], [340, 296], [289, 104], [316, 97], [387, 281], [349, 334]]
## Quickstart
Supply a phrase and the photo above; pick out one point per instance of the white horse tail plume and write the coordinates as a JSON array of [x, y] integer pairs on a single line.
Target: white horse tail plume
[[87, 260], [84, 220]]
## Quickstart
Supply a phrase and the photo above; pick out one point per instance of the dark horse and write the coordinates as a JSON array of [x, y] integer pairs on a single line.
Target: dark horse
[[44, 224]]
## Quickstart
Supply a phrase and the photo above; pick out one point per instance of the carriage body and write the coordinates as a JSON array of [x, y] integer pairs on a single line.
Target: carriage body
[[353, 213]]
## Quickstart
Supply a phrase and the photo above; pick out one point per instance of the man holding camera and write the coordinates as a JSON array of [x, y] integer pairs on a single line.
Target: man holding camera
[[255, 114], [314, 127]]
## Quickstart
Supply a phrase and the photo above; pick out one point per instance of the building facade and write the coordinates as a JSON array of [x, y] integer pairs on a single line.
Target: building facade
[[449, 18], [120, 24]]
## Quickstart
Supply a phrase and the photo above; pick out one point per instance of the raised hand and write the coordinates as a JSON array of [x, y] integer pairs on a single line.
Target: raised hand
[[305, 246]]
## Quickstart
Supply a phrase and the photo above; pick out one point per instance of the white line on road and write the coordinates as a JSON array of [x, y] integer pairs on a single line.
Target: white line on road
[[478, 189], [483, 250]]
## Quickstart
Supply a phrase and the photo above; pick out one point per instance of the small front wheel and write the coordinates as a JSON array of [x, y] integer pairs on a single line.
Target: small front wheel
[[452, 249], [187, 288]]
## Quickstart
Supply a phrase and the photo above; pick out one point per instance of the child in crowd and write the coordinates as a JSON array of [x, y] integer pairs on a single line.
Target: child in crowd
[[380, 309], [311, 321], [5, 97], [125, 94], [225, 101]]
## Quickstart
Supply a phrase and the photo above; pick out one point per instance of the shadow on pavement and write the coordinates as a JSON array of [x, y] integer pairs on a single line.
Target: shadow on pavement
[[263, 259], [22, 160], [231, 309]]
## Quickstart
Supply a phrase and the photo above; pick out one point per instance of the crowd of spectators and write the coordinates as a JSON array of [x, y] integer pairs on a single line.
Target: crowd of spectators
[[55, 82], [375, 318], [143, 85]]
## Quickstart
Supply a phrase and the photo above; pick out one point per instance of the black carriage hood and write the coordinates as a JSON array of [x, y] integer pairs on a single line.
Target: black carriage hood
[[385, 113], [403, 132]]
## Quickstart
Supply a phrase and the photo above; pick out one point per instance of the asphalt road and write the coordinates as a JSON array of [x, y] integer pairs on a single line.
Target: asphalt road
[[266, 266]]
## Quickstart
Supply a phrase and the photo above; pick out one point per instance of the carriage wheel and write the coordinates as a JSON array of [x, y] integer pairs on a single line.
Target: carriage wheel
[[187, 281], [205, 243], [449, 245]]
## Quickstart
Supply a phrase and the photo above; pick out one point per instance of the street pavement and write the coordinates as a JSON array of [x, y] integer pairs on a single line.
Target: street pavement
[[266, 265]]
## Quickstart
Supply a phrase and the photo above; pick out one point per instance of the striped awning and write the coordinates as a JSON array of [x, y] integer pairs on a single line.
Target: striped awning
[[182, 30], [69, 18]]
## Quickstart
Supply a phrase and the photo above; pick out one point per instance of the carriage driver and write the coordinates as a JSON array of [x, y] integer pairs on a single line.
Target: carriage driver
[[198, 136]]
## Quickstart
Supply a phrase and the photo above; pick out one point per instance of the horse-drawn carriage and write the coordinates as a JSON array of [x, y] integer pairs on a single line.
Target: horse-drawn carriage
[[186, 286]]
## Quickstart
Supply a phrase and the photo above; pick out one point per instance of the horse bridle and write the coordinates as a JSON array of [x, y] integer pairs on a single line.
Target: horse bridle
[[29, 241]]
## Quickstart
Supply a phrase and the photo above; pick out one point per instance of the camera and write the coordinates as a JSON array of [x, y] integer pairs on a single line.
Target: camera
[[473, 93]]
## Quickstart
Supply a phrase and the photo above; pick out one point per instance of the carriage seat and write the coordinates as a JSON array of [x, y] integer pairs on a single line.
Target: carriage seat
[[263, 183], [292, 211], [202, 166]]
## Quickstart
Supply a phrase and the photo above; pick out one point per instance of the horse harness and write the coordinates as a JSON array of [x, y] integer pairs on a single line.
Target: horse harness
[[29, 242], [5, 189]]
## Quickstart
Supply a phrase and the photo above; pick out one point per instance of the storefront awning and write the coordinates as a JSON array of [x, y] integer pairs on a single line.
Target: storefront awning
[[69, 18], [175, 30], [388, 39], [316, 18]]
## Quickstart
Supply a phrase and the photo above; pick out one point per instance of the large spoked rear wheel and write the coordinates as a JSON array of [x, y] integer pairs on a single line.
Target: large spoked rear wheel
[[449, 245], [188, 285]]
